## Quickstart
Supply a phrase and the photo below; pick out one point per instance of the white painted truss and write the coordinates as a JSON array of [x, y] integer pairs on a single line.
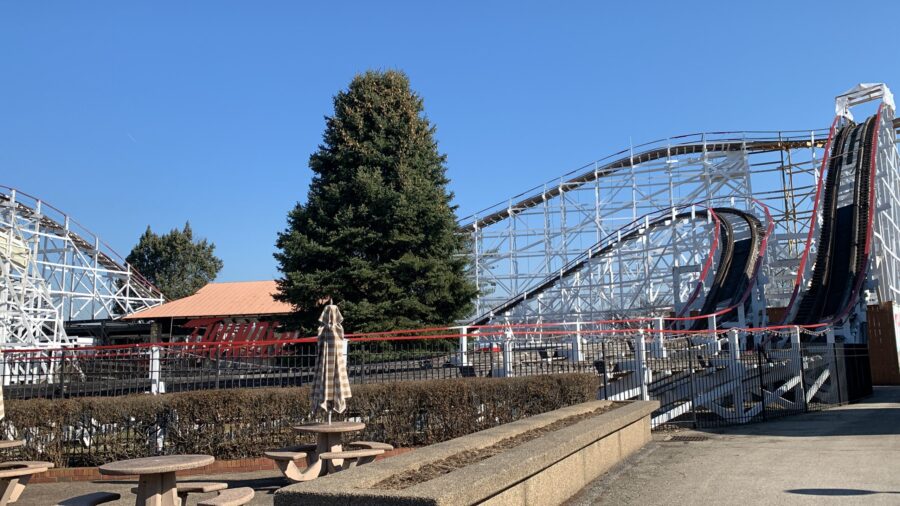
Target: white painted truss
[[524, 249], [54, 271], [518, 246], [536, 263]]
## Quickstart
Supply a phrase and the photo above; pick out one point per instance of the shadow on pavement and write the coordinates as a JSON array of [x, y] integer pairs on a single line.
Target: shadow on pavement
[[260, 485], [835, 491], [833, 422], [267, 485], [853, 420]]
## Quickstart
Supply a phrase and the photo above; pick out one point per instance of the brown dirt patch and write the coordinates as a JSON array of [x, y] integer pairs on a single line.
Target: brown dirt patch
[[459, 460]]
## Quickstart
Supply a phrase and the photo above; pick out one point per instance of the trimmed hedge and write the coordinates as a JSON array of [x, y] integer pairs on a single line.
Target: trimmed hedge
[[240, 423]]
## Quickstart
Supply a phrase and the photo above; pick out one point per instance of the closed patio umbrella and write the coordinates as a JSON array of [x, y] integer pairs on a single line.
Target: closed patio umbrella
[[331, 387]]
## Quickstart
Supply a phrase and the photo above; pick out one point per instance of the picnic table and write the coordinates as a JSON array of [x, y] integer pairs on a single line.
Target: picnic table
[[157, 485], [327, 455], [328, 440]]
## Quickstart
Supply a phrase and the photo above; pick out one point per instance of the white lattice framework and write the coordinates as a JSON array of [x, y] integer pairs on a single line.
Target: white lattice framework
[[885, 263], [519, 245], [56, 271]]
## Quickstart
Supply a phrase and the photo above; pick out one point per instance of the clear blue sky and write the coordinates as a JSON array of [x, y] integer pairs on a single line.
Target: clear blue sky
[[125, 114]]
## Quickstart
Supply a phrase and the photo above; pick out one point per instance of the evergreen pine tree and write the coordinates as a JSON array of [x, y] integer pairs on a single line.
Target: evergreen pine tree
[[378, 232]]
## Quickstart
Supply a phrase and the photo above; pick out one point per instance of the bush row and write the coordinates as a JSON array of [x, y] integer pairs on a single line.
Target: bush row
[[241, 423]]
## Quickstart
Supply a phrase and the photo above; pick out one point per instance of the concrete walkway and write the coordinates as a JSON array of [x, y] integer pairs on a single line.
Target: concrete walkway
[[846, 455]]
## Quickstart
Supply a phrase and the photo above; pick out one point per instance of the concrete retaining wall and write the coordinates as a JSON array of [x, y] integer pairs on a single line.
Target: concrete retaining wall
[[546, 470]]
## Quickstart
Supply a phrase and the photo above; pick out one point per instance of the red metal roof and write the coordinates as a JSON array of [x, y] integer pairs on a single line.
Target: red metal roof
[[221, 299]]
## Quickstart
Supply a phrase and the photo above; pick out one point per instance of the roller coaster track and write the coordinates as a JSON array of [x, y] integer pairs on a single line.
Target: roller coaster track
[[845, 238], [725, 277], [104, 258], [625, 162], [737, 267]]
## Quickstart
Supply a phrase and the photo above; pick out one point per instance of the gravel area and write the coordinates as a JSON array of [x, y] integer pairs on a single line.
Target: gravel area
[[441, 467]]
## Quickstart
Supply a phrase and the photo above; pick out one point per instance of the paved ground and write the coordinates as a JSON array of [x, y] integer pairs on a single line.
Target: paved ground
[[846, 455]]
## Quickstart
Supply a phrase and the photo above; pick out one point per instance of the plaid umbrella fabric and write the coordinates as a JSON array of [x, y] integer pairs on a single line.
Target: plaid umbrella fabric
[[331, 387]]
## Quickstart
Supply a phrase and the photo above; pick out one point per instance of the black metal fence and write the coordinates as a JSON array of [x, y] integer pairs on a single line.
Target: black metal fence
[[699, 387], [180, 367], [700, 379]]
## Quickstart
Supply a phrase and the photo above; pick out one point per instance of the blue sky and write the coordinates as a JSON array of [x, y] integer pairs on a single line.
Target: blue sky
[[125, 114]]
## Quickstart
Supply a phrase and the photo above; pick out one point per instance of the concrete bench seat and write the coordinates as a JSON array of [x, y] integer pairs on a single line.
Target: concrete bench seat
[[200, 487], [90, 499], [194, 487], [291, 452], [230, 497], [371, 445], [349, 458], [286, 460], [351, 454]]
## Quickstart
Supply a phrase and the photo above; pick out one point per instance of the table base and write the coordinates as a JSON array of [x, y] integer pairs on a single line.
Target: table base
[[157, 490]]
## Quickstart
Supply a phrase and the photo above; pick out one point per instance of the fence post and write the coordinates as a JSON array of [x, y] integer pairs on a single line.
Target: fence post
[[155, 386], [217, 351], [835, 393], [7, 371], [606, 366], [640, 358], [576, 354], [346, 349], [51, 367], [738, 373], [798, 354], [2, 382], [658, 347], [506, 350], [693, 390], [712, 325], [763, 365], [463, 358]]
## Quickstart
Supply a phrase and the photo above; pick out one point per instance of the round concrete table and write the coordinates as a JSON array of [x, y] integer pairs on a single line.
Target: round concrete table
[[157, 486], [328, 439]]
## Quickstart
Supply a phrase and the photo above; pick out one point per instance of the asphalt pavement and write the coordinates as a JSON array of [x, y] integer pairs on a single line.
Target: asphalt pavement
[[844, 455]]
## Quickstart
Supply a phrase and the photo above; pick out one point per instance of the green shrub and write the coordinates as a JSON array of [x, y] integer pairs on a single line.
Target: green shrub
[[239, 423]]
